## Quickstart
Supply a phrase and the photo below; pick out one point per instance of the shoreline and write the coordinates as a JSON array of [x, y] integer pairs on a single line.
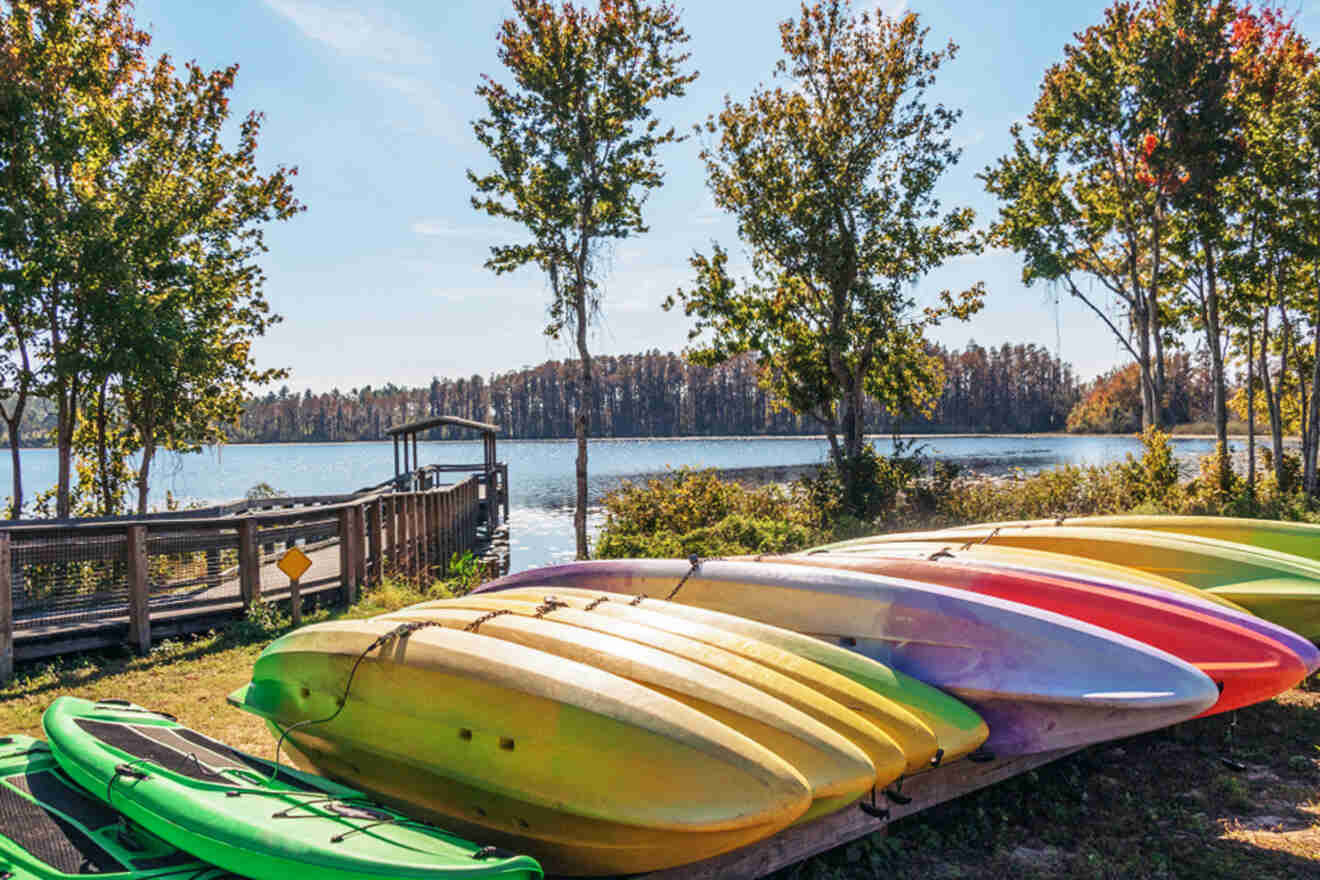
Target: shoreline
[[1262, 439]]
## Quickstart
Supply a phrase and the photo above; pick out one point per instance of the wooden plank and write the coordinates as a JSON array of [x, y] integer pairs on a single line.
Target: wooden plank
[[249, 563], [375, 513], [359, 555], [295, 602], [427, 552], [446, 530], [795, 844], [6, 610], [346, 550], [139, 591]]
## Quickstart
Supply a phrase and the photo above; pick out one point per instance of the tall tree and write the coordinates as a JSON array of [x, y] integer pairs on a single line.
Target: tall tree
[[1081, 197], [68, 72], [575, 142], [190, 294], [1186, 79], [831, 176], [129, 232]]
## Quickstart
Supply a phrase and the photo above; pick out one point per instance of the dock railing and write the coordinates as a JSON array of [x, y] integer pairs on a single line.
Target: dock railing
[[68, 586]]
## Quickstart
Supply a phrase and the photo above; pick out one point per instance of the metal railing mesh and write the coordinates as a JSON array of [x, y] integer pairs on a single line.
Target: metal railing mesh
[[318, 537], [193, 568], [57, 582]]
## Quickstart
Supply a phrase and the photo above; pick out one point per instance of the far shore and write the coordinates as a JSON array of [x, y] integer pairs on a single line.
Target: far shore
[[1261, 437]]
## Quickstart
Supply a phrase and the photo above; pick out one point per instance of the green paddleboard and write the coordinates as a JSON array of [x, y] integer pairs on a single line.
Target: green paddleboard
[[234, 811], [50, 828]]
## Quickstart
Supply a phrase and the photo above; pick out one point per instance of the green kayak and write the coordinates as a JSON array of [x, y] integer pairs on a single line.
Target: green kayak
[[50, 828], [237, 812]]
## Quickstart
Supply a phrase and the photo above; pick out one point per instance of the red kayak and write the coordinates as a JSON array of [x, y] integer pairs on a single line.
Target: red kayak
[[1247, 666]]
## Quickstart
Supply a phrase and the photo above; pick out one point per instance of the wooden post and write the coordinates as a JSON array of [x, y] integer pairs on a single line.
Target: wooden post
[[346, 553], [139, 598], [424, 529], [389, 532], [375, 511], [403, 565], [295, 602], [359, 546], [249, 563], [504, 489], [6, 610], [413, 537]]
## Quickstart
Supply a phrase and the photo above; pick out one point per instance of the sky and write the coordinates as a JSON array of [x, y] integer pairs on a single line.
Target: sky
[[382, 280]]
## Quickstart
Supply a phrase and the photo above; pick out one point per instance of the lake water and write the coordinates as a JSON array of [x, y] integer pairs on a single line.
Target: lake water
[[541, 471]]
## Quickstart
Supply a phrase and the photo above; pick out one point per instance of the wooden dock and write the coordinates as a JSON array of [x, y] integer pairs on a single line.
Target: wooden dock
[[82, 585], [800, 842]]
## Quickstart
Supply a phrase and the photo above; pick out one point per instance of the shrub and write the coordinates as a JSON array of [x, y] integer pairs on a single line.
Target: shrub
[[696, 512]]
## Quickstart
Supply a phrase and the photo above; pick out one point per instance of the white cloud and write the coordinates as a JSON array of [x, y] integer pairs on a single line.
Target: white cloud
[[433, 105], [354, 31]]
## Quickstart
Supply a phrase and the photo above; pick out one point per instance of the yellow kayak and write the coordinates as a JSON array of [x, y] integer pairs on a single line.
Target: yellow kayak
[[520, 748], [837, 771], [915, 740], [886, 756], [1298, 539], [944, 726]]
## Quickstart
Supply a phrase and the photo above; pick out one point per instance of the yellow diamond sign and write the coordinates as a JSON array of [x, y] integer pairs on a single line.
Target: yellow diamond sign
[[294, 563]]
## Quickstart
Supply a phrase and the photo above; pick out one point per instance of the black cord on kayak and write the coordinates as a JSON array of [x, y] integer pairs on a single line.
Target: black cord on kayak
[[594, 603], [401, 631], [695, 562], [550, 604], [942, 553]]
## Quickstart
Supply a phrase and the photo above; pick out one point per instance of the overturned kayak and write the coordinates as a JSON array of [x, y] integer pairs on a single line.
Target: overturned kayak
[[1280, 587], [1085, 571], [840, 754], [938, 544], [946, 728], [1295, 538], [519, 747], [224, 806], [1246, 666], [1040, 680]]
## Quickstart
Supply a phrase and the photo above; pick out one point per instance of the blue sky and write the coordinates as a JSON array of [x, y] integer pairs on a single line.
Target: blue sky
[[381, 279]]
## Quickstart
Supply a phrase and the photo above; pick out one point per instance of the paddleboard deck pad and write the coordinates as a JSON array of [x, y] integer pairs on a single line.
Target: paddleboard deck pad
[[226, 807], [49, 827]]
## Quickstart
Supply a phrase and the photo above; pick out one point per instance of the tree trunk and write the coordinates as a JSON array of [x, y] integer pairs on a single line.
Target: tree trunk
[[1311, 431], [16, 503], [585, 393], [103, 454], [1156, 327], [1271, 398], [1216, 359], [1251, 410], [144, 470]]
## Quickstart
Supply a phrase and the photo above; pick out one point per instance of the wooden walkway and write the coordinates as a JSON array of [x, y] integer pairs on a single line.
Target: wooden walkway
[[80, 585]]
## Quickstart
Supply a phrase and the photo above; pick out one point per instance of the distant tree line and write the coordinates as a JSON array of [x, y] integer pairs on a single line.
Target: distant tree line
[[1006, 389]]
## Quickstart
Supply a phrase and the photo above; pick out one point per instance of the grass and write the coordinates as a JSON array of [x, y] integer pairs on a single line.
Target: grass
[[186, 678], [1169, 804], [1219, 798]]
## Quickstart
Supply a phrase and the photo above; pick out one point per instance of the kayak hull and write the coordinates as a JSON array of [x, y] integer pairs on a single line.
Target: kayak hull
[[1053, 677], [534, 751]]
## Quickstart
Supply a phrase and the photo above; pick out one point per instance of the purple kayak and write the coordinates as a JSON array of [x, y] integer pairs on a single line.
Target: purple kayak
[[1305, 650], [1042, 681]]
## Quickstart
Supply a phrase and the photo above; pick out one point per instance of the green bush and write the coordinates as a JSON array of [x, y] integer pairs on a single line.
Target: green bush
[[696, 512]]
